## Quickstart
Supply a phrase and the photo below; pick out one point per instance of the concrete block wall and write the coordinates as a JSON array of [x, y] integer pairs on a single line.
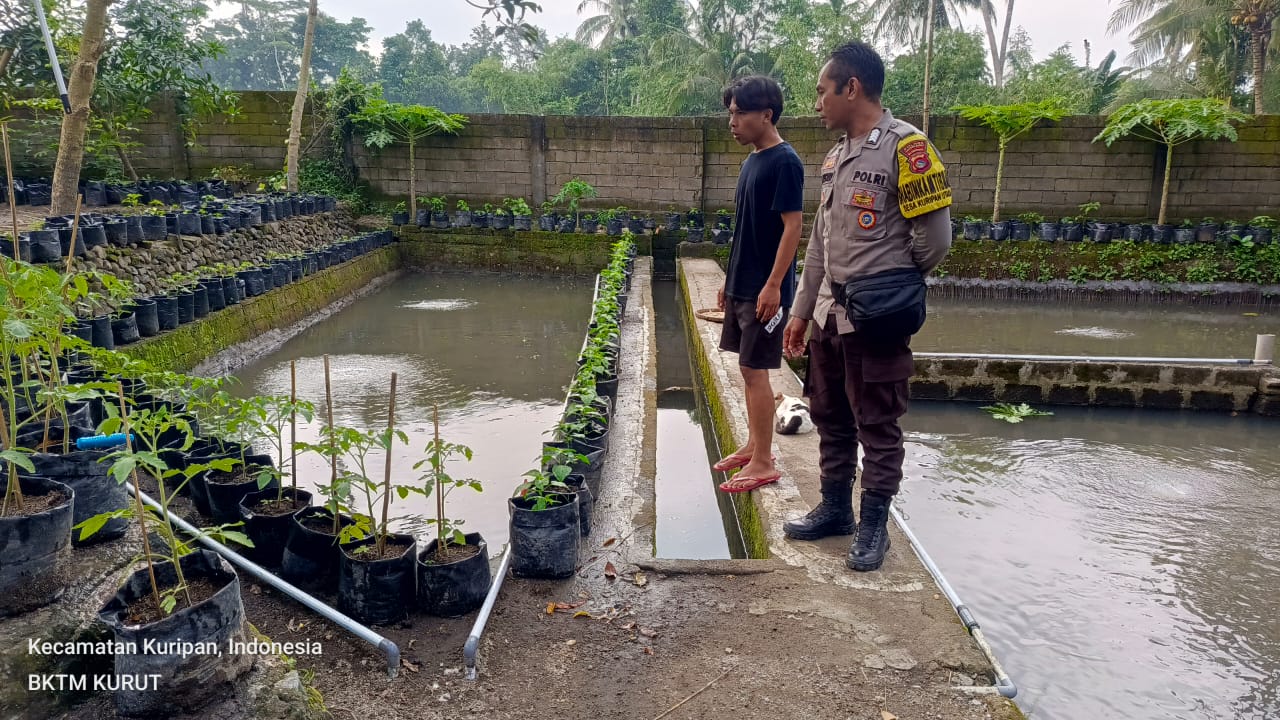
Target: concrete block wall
[[654, 163], [1163, 387], [490, 159]]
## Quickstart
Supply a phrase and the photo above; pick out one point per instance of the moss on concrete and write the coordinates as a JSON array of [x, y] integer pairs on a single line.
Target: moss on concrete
[[191, 344], [486, 249], [753, 534]]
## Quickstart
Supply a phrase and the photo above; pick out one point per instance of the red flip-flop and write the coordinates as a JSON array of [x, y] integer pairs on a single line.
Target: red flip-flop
[[753, 483], [733, 462]]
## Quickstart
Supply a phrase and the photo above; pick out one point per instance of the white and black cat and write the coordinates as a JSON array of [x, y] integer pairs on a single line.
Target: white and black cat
[[792, 416]]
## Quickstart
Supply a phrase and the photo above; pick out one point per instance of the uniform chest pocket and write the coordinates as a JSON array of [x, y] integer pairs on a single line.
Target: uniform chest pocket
[[866, 204]]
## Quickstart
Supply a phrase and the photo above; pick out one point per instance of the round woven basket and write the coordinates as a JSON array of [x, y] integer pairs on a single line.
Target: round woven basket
[[710, 315]]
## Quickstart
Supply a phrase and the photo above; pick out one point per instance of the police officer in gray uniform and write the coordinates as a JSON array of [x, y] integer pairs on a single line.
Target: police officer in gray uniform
[[884, 209]]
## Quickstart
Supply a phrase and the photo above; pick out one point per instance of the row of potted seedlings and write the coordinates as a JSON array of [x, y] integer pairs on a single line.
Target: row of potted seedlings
[[51, 240], [514, 213], [192, 296], [552, 509], [37, 191], [78, 424], [1080, 228]]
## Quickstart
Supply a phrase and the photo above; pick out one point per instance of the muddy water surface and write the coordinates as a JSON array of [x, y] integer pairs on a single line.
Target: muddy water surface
[[494, 352], [1124, 564], [1081, 329]]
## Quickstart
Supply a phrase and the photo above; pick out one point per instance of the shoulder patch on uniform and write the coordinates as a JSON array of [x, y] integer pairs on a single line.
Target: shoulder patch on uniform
[[922, 178]]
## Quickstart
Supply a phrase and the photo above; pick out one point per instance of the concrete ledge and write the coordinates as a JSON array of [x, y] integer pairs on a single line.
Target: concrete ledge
[[902, 597], [484, 249], [1145, 385], [189, 345]]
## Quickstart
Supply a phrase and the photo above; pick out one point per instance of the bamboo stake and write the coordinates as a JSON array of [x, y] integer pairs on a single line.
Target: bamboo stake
[[293, 428], [11, 486], [386, 478], [141, 510], [75, 229], [435, 422], [333, 450], [13, 203]]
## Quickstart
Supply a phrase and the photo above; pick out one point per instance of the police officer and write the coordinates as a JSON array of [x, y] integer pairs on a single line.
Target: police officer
[[884, 207]]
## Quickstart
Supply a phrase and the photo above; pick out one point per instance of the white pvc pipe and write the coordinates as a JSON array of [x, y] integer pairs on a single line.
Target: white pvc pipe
[[1084, 358], [387, 647]]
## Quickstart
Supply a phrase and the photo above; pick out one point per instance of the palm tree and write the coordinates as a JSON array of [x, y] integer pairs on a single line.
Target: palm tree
[[999, 51], [1211, 33], [704, 59], [618, 20], [1258, 18], [904, 21]]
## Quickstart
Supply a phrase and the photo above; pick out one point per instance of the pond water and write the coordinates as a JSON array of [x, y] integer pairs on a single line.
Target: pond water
[[694, 519], [1018, 327], [1124, 564], [493, 352]]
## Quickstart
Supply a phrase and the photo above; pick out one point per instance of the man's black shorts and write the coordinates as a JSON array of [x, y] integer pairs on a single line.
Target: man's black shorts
[[757, 347]]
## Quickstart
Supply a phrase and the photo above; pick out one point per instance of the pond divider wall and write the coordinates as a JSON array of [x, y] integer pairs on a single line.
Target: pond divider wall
[[486, 249], [191, 344]]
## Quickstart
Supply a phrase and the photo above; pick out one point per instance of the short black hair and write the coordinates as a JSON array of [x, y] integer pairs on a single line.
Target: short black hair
[[857, 60], [755, 92]]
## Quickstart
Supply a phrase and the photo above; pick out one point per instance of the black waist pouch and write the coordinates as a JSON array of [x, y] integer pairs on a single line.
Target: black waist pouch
[[886, 305]]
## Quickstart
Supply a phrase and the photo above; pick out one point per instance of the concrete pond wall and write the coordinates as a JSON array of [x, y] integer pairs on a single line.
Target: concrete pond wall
[[1254, 389]]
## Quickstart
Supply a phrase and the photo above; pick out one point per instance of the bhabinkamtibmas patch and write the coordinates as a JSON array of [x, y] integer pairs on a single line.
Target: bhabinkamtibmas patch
[[922, 179]]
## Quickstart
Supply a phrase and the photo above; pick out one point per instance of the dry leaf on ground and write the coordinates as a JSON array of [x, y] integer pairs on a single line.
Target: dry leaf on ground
[[609, 542], [886, 715], [610, 571]]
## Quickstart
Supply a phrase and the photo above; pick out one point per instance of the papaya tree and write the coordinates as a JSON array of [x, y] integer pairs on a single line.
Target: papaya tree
[[1008, 122], [1172, 123], [386, 123]]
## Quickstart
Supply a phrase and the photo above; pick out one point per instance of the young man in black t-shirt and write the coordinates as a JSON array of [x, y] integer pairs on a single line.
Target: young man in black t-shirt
[[760, 284]]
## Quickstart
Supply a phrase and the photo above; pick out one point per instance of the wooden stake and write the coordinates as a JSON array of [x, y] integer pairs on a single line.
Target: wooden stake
[[333, 455], [13, 204], [141, 509], [75, 229], [435, 423], [386, 478], [293, 427]]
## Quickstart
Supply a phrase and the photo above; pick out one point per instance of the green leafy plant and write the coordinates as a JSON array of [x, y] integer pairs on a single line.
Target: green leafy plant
[[1265, 222], [518, 206], [1031, 218], [1008, 122], [131, 200], [1014, 413], [545, 486], [573, 193], [1172, 123], [438, 482], [463, 206], [384, 123], [437, 204]]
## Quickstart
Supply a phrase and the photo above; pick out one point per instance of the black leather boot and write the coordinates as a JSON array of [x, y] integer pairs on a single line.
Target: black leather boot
[[832, 516], [872, 543]]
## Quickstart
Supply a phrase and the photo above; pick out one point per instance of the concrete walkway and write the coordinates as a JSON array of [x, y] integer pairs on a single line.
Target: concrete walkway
[[901, 599]]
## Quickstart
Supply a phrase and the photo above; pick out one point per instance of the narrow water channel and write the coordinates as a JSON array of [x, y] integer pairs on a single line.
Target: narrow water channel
[[694, 520], [494, 352], [1084, 329], [1123, 563]]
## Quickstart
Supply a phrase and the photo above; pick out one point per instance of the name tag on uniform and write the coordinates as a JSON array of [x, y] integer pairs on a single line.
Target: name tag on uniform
[[866, 198]]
